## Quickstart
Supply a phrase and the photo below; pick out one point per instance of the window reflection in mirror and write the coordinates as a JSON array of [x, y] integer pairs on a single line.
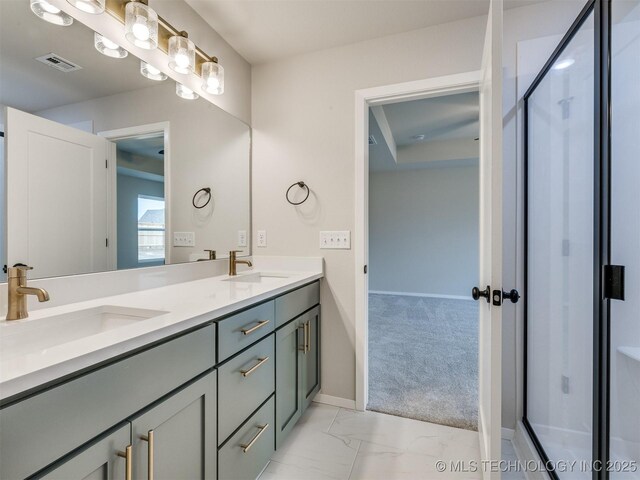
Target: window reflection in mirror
[[83, 146]]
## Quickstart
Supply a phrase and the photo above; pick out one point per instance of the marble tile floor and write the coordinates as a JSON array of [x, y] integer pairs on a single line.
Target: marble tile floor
[[340, 444]]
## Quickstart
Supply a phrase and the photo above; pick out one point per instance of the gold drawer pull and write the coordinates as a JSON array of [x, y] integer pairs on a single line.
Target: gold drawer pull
[[247, 331], [261, 361], [303, 347], [128, 463], [149, 438], [247, 446]]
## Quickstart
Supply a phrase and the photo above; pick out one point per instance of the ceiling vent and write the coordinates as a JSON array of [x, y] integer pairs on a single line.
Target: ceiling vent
[[372, 140], [59, 63]]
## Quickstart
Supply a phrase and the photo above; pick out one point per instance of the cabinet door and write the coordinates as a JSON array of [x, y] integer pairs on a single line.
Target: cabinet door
[[288, 379], [311, 357], [101, 460], [176, 438]]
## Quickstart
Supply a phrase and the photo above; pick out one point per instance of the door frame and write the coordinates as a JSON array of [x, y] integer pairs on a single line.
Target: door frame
[[137, 131], [365, 98]]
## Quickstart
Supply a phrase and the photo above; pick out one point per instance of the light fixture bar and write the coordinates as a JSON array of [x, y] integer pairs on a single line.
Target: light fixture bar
[[116, 8]]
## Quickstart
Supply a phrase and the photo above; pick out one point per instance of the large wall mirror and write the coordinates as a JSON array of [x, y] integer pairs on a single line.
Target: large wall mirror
[[103, 168]]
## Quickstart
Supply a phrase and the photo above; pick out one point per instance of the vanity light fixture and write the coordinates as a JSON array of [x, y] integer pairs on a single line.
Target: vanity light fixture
[[151, 72], [89, 6], [182, 53], [50, 13], [185, 92], [213, 78], [141, 25], [107, 47]]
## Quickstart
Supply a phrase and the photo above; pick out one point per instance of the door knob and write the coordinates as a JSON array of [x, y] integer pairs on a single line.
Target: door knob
[[476, 293], [512, 295]]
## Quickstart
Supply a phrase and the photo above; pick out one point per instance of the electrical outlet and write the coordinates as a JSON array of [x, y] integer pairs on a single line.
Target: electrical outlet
[[242, 238], [338, 240], [184, 239], [262, 238]]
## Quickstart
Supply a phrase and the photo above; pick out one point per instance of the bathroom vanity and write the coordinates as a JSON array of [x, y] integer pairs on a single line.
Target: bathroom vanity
[[207, 389]]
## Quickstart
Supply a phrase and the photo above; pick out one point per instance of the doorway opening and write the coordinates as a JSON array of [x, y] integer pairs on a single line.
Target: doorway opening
[[139, 190], [423, 259]]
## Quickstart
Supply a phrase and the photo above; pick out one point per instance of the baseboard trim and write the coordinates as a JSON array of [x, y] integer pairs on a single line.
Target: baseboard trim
[[508, 433], [335, 401], [428, 295]]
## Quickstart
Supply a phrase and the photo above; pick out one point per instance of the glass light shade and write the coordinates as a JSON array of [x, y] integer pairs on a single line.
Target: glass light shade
[[185, 92], [151, 72], [51, 14], [90, 6], [141, 25], [107, 47], [182, 54], [213, 78]]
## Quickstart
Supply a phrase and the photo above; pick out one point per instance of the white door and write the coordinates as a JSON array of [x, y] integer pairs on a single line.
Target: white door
[[56, 197], [490, 342]]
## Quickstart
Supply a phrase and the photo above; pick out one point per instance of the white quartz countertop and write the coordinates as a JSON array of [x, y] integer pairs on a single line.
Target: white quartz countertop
[[187, 305]]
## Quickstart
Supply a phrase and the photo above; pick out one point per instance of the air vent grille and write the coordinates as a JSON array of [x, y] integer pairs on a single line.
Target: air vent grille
[[372, 140], [59, 63]]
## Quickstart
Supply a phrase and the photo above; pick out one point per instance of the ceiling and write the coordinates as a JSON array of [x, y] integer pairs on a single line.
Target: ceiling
[[31, 86], [267, 30], [424, 133]]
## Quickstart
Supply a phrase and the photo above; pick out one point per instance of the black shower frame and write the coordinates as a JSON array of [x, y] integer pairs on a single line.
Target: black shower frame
[[602, 230]]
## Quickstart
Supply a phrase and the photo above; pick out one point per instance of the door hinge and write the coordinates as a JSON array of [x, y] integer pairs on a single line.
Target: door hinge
[[106, 163], [365, 269], [614, 282]]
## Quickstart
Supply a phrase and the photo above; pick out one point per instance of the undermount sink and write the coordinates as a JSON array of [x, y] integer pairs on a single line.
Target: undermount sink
[[257, 277], [39, 334]]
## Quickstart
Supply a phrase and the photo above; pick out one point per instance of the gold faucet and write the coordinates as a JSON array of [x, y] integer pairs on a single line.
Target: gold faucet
[[233, 262], [18, 291]]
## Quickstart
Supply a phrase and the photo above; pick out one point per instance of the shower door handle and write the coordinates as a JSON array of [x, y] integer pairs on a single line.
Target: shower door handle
[[476, 293]]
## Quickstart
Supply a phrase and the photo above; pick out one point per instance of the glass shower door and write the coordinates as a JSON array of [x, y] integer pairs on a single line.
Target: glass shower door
[[624, 388], [560, 255]]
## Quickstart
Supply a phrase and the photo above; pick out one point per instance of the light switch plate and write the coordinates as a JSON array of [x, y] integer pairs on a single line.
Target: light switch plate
[[262, 238], [242, 238], [184, 239], [335, 240]]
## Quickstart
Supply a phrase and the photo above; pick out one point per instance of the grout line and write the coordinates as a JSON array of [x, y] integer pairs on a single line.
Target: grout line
[[355, 458], [334, 419]]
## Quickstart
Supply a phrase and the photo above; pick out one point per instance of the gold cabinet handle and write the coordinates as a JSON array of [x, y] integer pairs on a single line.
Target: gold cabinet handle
[[128, 463], [307, 342], [149, 439], [247, 446], [248, 331], [261, 361], [303, 347]]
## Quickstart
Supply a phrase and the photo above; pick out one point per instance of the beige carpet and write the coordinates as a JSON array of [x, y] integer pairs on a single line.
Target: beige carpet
[[423, 359]]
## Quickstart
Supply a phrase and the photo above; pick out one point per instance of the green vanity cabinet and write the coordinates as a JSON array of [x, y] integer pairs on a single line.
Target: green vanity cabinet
[[311, 357], [178, 434], [104, 459], [297, 370]]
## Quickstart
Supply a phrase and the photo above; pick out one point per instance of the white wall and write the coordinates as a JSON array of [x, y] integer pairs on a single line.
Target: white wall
[[304, 121], [303, 118], [208, 148], [423, 230]]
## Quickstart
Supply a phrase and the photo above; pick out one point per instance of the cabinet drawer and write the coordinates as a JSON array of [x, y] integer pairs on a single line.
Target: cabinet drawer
[[53, 423], [248, 451], [292, 304], [243, 329], [244, 383]]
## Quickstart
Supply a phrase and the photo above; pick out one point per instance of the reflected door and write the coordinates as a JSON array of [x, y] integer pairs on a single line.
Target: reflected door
[[56, 197]]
